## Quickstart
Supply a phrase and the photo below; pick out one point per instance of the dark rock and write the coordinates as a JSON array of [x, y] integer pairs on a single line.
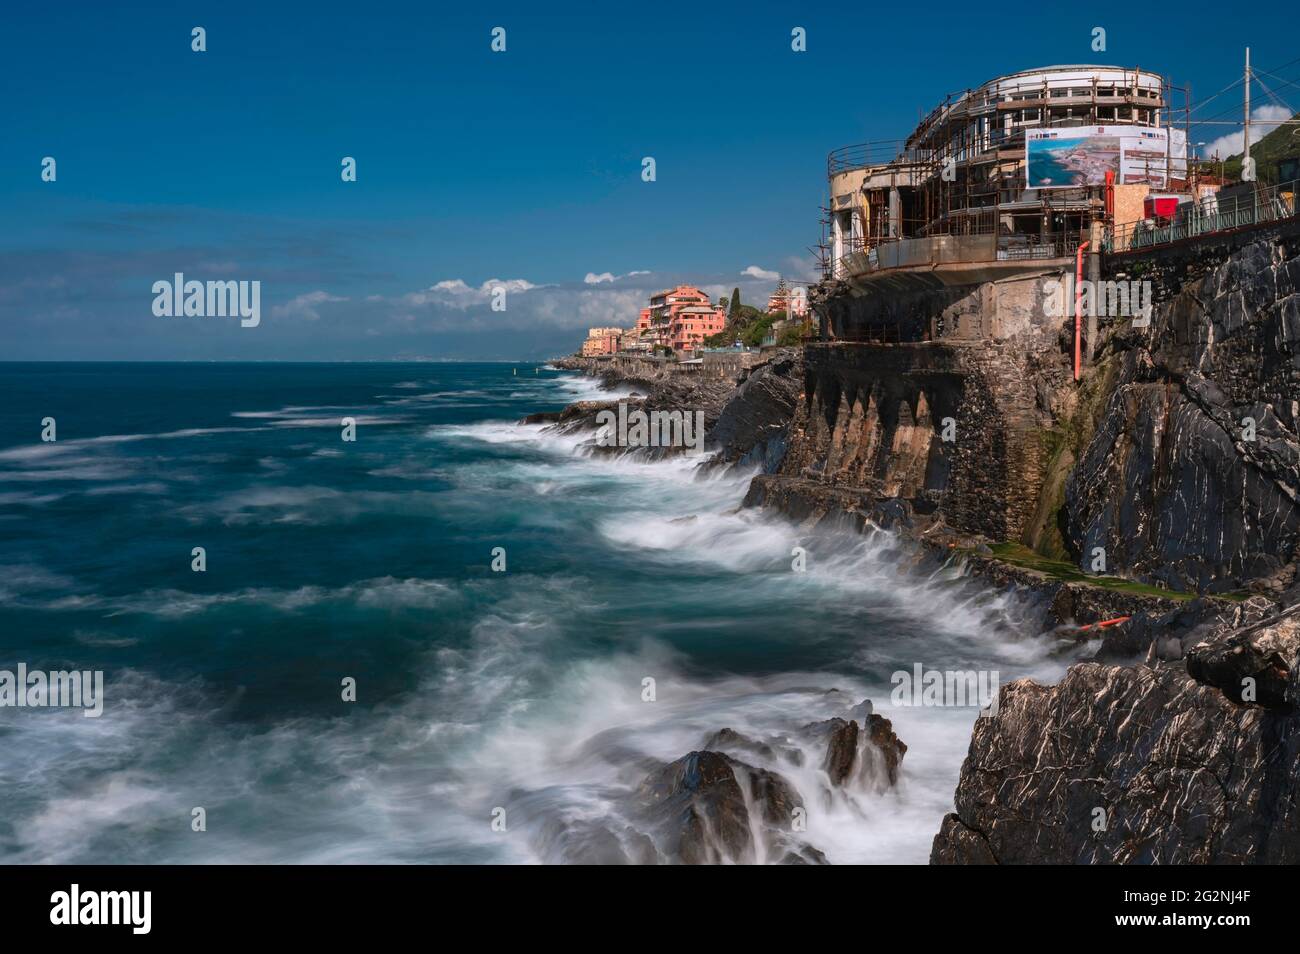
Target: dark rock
[[1138, 764], [841, 750], [697, 811], [752, 427], [1170, 485], [1251, 666], [584, 842], [696, 807], [867, 755], [541, 417], [733, 743], [880, 733]]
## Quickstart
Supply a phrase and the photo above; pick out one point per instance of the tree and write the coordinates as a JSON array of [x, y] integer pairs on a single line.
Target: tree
[[734, 313], [756, 331], [794, 333]]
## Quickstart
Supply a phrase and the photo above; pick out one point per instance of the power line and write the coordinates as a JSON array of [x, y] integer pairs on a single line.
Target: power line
[[1276, 98]]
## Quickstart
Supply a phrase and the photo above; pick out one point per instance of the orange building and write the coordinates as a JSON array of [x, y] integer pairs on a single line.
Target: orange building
[[692, 324], [683, 317], [601, 341]]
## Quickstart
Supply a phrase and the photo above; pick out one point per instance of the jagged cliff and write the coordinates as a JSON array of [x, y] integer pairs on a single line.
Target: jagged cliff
[[747, 414], [1181, 744], [1191, 477], [1176, 456], [1160, 762]]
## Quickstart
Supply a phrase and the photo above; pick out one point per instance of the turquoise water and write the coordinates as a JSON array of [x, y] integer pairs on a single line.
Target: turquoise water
[[371, 560]]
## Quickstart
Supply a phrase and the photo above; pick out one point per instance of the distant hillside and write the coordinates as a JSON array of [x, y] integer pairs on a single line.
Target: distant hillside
[[1282, 143]]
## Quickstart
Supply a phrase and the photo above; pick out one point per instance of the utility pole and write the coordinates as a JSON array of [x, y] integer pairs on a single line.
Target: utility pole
[[1245, 162]]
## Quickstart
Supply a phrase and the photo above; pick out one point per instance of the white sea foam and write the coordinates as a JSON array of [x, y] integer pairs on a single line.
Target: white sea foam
[[585, 741], [380, 592], [522, 712], [41, 451]]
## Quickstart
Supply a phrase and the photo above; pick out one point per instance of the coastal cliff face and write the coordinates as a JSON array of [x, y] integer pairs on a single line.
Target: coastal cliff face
[[1177, 456], [947, 427], [1191, 478], [1153, 763], [753, 427], [951, 422], [1183, 745], [747, 411]]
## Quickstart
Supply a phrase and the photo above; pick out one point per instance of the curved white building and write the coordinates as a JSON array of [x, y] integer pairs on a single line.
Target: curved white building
[[1019, 164]]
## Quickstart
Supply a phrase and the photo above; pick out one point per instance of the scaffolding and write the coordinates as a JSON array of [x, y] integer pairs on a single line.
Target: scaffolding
[[964, 165]]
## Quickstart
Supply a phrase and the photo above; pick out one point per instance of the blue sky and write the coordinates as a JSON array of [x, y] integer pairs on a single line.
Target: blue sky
[[521, 167]]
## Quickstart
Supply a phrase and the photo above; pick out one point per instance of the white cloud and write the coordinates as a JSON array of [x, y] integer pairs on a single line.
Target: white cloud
[[565, 308], [306, 306], [1230, 144], [802, 268], [455, 293], [455, 305], [604, 277]]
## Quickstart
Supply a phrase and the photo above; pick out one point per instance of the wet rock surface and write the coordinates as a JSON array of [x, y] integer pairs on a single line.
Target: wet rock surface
[[752, 429], [1192, 478], [1160, 762], [734, 800], [713, 806], [744, 417], [1181, 743], [1179, 457], [704, 809], [865, 755]]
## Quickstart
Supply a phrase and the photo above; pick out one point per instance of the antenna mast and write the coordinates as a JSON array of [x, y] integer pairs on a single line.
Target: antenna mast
[[1245, 163]]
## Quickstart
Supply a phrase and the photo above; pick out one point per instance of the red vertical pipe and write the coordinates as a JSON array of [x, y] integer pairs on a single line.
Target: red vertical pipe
[[1078, 291]]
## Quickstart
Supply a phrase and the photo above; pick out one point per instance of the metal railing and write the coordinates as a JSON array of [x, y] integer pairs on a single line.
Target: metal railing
[[953, 249], [876, 153], [1215, 213]]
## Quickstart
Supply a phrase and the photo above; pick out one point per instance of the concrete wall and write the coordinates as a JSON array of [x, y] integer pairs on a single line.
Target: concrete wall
[[873, 417], [918, 306]]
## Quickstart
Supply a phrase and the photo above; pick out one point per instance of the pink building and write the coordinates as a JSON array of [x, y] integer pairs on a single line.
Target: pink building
[[692, 324], [601, 341], [683, 317]]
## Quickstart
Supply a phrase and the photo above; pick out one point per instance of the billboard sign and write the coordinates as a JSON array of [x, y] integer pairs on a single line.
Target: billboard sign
[[1076, 156], [1146, 156]]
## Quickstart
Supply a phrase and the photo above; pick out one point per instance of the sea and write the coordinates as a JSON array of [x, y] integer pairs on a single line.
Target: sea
[[436, 641]]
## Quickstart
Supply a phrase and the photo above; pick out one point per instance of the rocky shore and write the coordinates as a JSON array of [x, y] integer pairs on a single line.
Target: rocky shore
[[728, 802], [1179, 741]]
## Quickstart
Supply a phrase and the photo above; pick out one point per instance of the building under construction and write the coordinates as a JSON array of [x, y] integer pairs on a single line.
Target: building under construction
[[1014, 170]]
